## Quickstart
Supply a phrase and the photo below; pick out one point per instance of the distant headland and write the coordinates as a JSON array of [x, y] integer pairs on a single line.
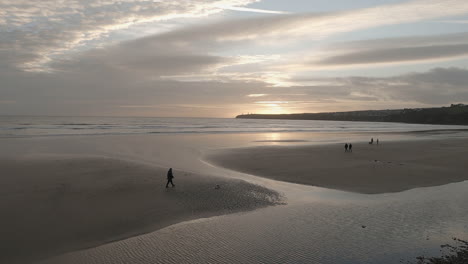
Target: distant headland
[[455, 114]]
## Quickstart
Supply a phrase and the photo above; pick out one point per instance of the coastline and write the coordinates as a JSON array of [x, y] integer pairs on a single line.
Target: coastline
[[56, 205], [370, 169]]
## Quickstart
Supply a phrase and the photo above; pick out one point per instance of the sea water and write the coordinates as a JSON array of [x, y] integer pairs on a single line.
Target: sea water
[[24, 126]]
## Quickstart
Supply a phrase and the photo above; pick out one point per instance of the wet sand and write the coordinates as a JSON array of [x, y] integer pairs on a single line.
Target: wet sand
[[369, 169], [61, 195], [58, 204]]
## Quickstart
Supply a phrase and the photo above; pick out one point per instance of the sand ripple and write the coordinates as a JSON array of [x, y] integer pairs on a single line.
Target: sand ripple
[[381, 230]]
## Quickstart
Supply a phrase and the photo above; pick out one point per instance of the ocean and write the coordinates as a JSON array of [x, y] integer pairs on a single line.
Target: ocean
[[33, 126]]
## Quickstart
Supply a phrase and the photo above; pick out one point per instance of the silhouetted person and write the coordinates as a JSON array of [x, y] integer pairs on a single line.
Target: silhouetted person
[[350, 147], [346, 147], [170, 176], [377, 141], [371, 141]]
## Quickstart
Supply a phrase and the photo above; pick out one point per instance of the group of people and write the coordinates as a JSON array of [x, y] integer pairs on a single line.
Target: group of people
[[348, 147]]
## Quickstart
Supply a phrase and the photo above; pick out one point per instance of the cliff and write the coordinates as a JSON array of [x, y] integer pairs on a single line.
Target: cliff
[[456, 114]]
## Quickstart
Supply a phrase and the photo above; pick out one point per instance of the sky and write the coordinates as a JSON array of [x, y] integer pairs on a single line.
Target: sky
[[220, 58]]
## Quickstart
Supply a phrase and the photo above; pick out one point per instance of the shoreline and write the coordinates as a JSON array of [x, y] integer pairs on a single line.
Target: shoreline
[[55, 205], [392, 166]]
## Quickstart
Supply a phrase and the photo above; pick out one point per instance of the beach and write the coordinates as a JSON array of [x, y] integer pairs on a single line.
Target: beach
[[239, 198], [214, 131], [369, 168], [54, 205]]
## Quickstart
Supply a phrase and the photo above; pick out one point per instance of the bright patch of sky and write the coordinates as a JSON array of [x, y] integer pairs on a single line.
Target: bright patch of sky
[[427, 27], [303, 6]]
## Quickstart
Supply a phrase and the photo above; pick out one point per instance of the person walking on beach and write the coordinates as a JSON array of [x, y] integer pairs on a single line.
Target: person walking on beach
[[350, 147], [170, 176], [346, 147], [377, 141]]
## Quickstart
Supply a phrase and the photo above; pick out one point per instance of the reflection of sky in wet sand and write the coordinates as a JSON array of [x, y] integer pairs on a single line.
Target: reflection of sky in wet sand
[[317, 225]]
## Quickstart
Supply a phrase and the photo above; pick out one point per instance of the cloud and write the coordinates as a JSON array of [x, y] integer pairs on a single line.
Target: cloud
[[102, 90], [161, 57], [455, 21], [193, 70], [314, 25], [115, 91], [240, 35], [254, 10], [397, 42], [402, 54], [144, 63], [40, 31], [382, 52], [438, 86]]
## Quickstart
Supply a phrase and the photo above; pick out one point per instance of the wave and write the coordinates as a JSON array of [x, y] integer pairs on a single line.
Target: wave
[[84, 126]]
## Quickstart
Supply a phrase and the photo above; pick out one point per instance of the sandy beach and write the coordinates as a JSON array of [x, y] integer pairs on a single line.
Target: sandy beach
[[54, 205], [369, 169], [102, 199]]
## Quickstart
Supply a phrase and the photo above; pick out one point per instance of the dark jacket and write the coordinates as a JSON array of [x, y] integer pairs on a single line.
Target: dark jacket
[[170, 175]]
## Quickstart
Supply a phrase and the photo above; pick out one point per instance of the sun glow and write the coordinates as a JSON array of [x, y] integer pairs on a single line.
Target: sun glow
[[272, 107]]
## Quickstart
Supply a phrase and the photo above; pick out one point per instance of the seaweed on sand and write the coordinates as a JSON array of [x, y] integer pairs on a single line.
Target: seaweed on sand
[[452, 254]]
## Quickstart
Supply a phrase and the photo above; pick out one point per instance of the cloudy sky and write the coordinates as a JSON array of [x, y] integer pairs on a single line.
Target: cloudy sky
[[220, 58]]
